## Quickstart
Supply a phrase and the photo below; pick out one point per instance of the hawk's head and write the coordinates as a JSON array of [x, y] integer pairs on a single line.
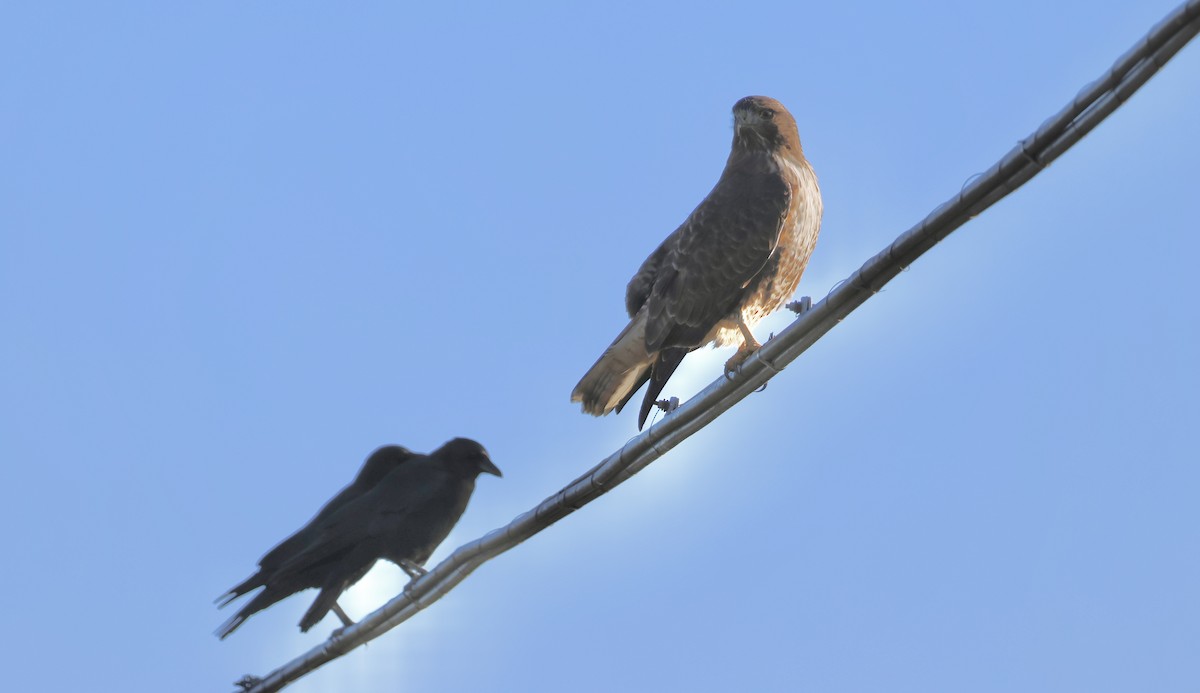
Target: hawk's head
[[762, 123]]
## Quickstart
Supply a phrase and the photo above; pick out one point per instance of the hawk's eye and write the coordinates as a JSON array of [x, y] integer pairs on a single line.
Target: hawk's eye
[[767, 113]]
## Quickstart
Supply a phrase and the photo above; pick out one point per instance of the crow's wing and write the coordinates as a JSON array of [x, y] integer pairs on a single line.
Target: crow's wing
[[377, 466]]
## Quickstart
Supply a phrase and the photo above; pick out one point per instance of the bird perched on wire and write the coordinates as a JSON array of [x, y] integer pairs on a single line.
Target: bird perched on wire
[[378, 465], [735, 259], [404, 507]]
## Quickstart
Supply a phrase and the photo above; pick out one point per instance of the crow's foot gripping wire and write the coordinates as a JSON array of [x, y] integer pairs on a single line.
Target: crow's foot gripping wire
[[341, 614], [414, 571]]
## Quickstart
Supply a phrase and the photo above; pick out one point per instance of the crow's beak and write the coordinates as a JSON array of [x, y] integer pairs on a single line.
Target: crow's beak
[[490, 468]]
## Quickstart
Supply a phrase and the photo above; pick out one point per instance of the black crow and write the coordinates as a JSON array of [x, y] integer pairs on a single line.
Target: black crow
[[377, 466], [403, 517]]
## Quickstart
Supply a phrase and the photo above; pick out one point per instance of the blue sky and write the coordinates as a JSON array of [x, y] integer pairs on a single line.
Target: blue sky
[[243, 244]]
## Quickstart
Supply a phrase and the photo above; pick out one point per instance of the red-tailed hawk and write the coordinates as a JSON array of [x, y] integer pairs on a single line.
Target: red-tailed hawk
[[734, 260]]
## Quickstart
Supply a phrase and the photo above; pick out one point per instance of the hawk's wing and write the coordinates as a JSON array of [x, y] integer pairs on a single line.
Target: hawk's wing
[[639, 288], [707, 263]]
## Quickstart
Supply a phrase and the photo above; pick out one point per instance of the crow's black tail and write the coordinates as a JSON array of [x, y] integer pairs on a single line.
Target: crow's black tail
[[321, 606], [261, 601], [248, 585]]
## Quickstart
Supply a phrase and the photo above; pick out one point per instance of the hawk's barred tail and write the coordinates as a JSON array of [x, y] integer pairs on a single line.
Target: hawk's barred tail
[[633, 390], [618, 373]]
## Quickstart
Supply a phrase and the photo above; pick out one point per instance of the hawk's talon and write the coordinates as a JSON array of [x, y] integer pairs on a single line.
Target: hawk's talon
[[734, 365]]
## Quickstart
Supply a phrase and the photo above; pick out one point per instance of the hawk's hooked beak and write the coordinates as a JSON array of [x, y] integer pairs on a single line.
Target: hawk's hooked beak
[[743, 125], [487, 466]]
